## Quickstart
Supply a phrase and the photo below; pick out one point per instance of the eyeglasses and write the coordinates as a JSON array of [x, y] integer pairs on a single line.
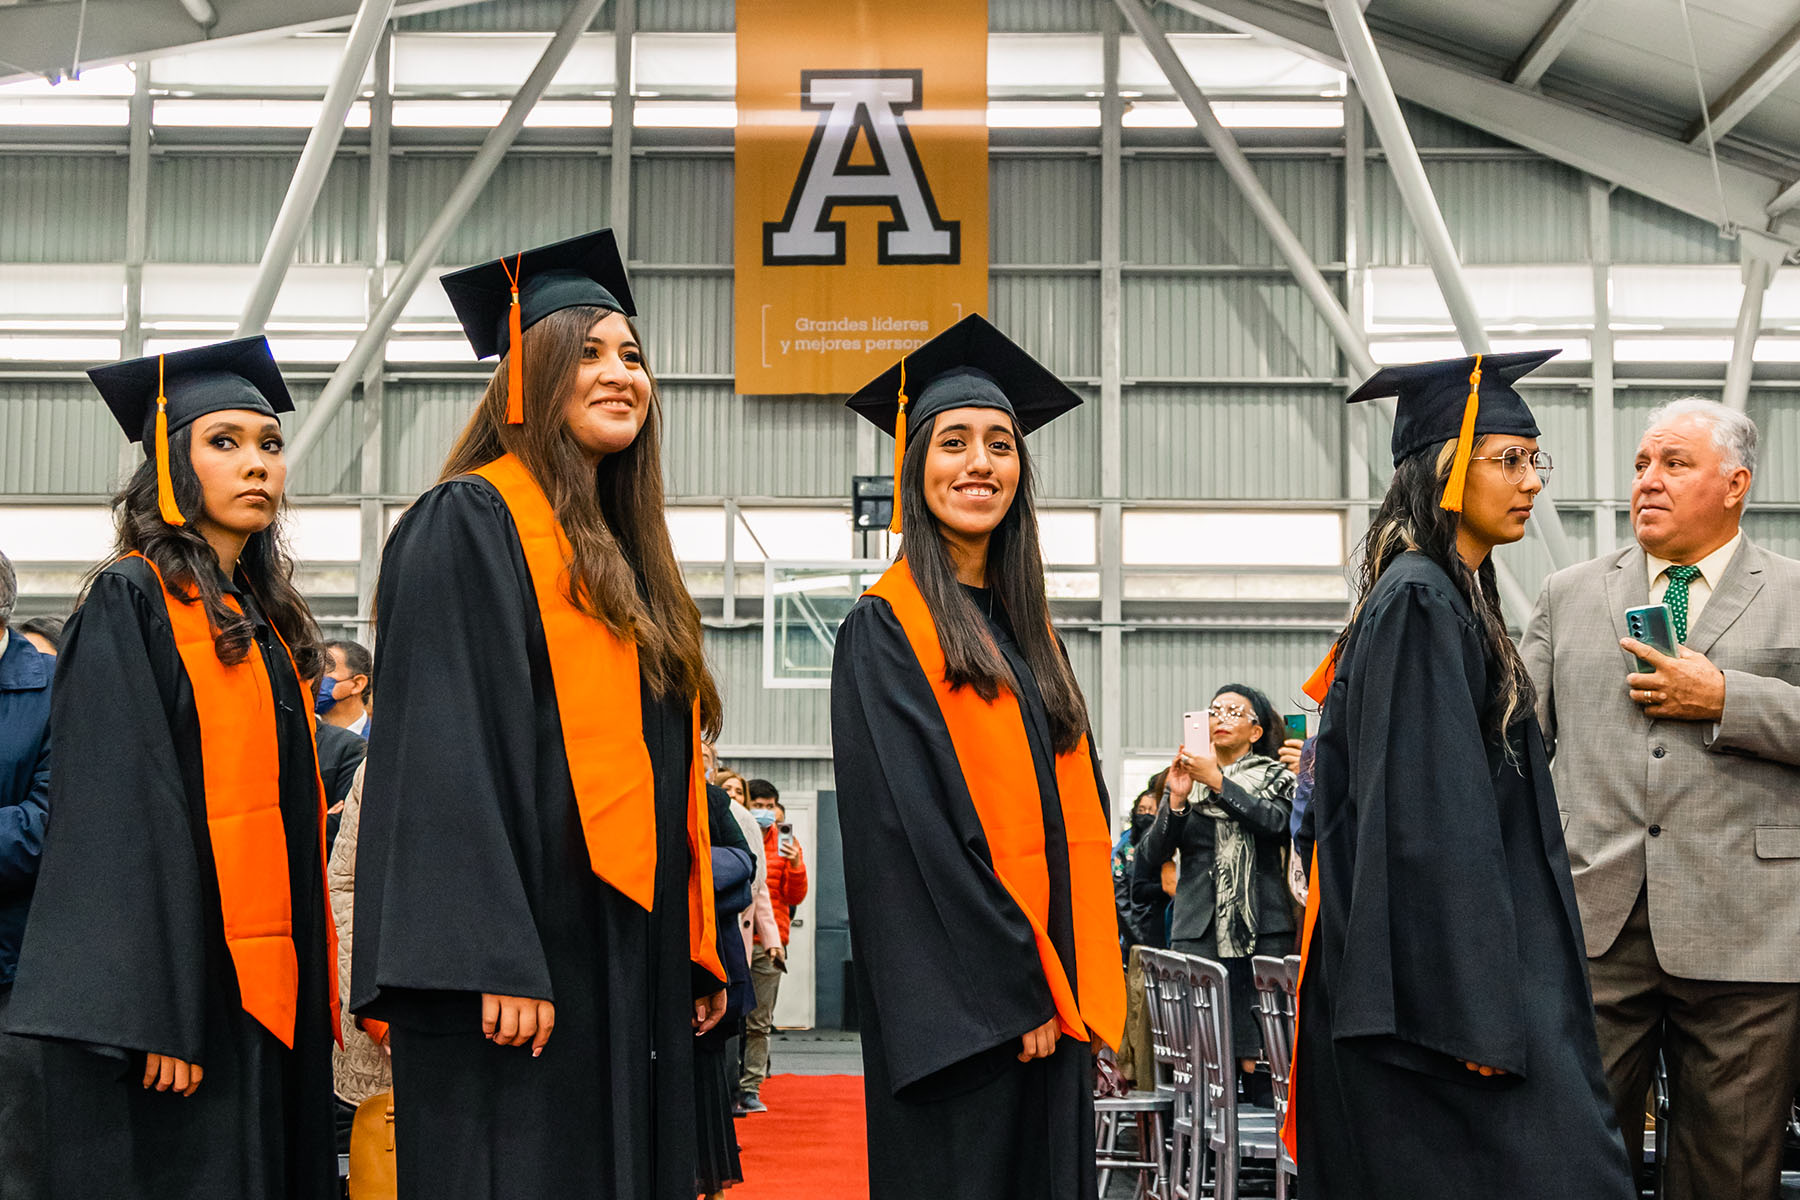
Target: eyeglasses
[[1516, 459], [1228, 714]]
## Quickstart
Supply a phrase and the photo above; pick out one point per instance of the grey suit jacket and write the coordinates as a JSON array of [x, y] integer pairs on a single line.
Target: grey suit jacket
[[1708, 818]]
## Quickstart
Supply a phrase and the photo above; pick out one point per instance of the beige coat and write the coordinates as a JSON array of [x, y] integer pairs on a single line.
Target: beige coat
[[361, 1068], [1706, 817], [759, 918]]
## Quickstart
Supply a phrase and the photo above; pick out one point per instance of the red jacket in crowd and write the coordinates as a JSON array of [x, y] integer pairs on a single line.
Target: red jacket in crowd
[[787, 879]]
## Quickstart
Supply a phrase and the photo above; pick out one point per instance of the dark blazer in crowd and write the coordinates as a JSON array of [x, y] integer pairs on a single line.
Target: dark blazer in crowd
[[340, 753], [1264, 812], [24, 786], [1149, 903]]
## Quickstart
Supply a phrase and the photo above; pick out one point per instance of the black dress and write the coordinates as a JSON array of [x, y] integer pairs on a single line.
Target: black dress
[[715, 1075], [947, 972], [1447, 932], [125, 952], [473, 876]]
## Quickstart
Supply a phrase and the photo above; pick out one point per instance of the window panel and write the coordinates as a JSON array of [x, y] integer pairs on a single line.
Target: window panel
[[50, 291], [304, 61], [426, 62], [684, 63], [798, 534], [56, 533], [325, 534], [1208, 539]]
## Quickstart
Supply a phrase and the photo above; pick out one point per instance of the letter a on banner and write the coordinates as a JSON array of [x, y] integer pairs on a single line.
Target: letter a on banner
[[861, 188]]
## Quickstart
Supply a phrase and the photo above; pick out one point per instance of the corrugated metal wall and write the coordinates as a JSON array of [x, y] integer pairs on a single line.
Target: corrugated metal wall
[[1229, 374], [57, 438], [85, 193], [219, 208], [531, 199]]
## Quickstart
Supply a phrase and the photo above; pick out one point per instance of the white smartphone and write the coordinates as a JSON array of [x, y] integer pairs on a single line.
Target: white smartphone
[[1195, 730]]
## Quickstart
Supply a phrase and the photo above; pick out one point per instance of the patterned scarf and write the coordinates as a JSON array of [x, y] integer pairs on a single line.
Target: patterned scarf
[[1234, 856]]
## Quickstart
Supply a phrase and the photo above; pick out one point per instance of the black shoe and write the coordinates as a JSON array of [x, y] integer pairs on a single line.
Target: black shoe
[[752, 1103]]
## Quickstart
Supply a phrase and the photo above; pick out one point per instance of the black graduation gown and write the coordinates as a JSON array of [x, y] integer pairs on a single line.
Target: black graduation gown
[[1447, 931], [947, 973], [125, 952], [473, 876]]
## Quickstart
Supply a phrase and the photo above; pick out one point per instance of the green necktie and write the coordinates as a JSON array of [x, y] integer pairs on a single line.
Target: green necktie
[[1677, 598]]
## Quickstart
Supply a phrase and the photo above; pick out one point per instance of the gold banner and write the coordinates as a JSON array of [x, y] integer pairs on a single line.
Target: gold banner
[[861, 187]]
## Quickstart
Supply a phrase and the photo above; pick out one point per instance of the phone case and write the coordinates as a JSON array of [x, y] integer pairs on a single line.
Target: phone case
[[1296, 725], [1653, 626], [1194, 729]]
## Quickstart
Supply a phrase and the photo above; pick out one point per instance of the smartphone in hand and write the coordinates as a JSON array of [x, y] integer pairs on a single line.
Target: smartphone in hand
[[1296, 725], [1195, 731], [785, 842], [1653, 626]]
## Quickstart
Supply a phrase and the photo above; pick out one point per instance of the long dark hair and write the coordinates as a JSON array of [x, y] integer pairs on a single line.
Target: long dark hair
[[1411, 519], [1264, 714], [612, 515], [188, 564], [1015, 572]]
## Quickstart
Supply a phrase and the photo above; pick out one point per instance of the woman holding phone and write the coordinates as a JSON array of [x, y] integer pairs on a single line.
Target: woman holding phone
[[976, 851], [1225, 807], [1446, 1035]]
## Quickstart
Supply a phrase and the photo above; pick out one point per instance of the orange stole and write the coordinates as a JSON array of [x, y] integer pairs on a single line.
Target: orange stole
[[240, 763], [609, 765], [994, 755]]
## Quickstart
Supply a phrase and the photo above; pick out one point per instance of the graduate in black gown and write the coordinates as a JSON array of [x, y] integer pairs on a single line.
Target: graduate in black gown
[[1446, 1030], [179, 955], [976, 847], [534, 901]]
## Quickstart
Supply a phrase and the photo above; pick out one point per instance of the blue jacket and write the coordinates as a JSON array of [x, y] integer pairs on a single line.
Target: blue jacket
[[24, 787]]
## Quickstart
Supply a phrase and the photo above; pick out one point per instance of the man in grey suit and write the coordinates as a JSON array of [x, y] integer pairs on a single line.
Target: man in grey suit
[[1680, 792]]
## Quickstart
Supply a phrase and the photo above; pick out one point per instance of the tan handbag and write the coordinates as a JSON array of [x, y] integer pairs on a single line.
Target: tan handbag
[[372, 1149]]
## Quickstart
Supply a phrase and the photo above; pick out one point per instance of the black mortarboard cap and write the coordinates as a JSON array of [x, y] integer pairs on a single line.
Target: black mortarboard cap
[[1431, 397], [969, 365], [239, 374], [155, 396], [583, 270]]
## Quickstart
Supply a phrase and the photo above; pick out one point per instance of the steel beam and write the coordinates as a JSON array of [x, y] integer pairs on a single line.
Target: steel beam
[[1600, 400], [481, 168], [1427, 218], [1347, 333], [137, 238], [1551, 40], [1757, 274], [624, 120], [1359, 419], [374, 399], [37, 37], [1661, 168], [366, 33], [1111, 715], [1750, 89]]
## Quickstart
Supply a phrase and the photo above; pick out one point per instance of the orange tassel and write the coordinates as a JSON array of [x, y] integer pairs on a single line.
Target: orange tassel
[[165, 483], [899, 448], [1465, 445], [515, 352]]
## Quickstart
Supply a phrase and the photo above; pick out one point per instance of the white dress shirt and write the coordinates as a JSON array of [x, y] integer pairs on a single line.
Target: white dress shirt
[[1701, 587]]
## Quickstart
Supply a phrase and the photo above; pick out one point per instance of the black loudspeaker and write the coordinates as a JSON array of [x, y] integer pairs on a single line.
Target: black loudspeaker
[[872, 502]]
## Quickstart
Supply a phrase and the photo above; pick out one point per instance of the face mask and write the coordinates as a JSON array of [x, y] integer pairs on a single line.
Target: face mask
[[765, 817], [1141, 823], [323, 702]]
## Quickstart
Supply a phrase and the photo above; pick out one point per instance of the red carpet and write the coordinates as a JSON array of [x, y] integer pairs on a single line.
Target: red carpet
[[810, 1145]]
